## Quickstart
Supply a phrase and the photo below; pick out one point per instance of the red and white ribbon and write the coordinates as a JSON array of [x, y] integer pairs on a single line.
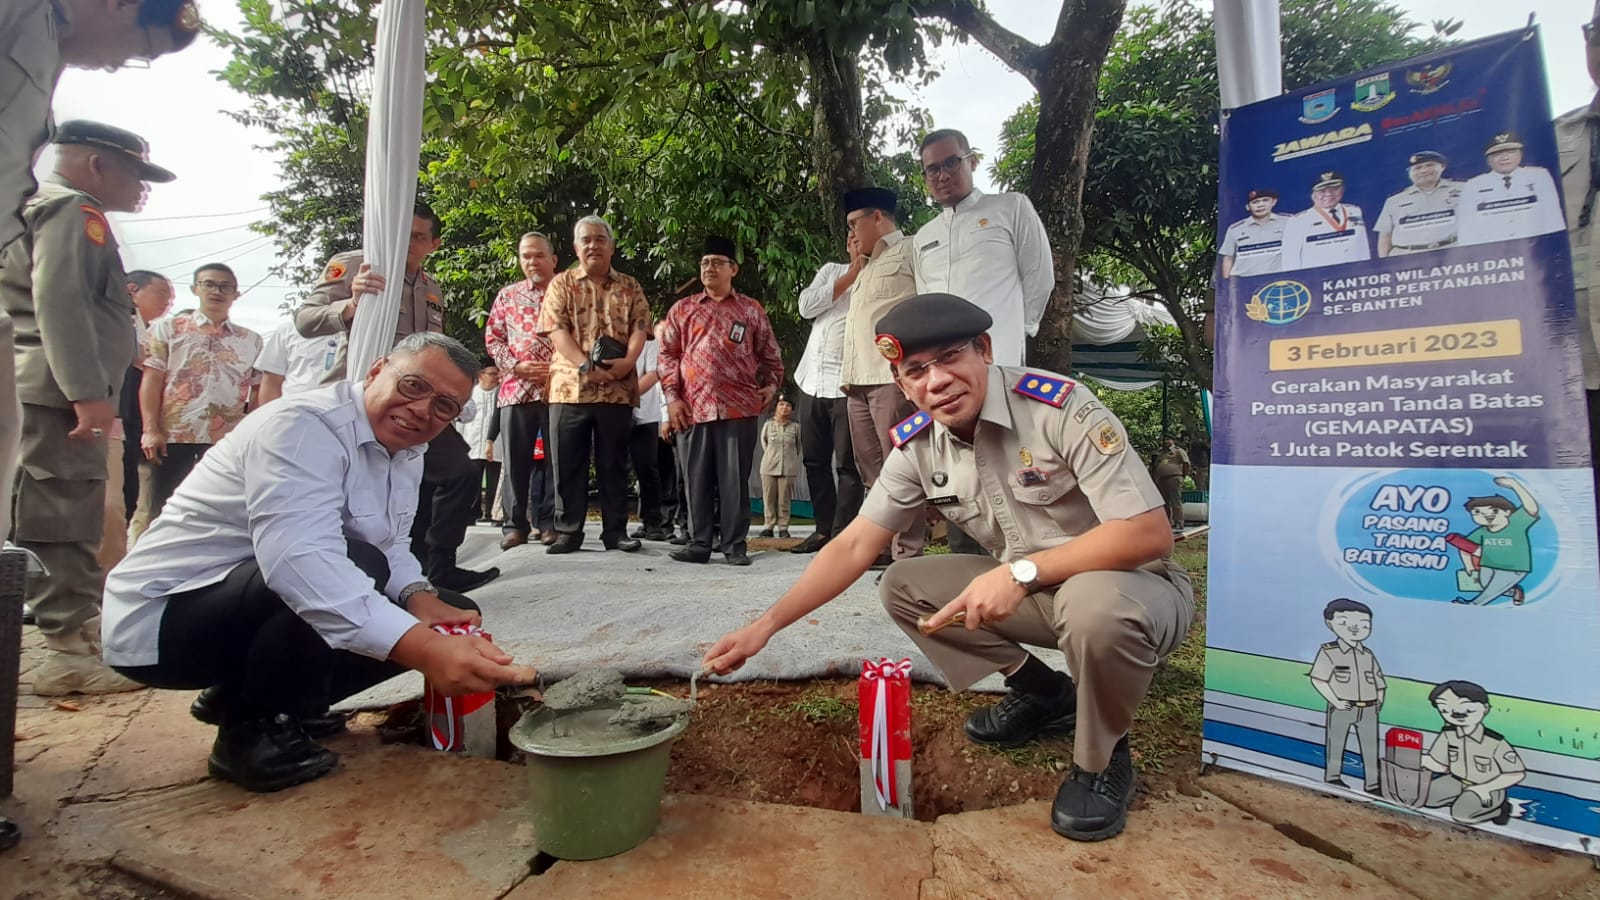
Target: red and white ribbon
[[882, 765], [447, 740]]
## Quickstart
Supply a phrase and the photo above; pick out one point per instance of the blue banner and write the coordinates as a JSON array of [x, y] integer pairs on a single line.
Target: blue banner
[[1404, 577]]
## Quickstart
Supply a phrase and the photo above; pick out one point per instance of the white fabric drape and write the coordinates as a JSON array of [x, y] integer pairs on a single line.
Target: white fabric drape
[[394, 141], [1249, 51]]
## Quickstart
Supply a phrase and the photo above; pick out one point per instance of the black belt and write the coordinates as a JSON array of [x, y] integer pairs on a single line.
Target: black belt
[[1433, 246]]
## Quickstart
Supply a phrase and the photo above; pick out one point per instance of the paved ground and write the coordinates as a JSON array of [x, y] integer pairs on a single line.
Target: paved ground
[[114, 801]]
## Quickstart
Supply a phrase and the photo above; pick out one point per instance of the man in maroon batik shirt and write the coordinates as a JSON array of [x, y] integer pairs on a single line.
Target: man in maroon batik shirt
[[719, 368]]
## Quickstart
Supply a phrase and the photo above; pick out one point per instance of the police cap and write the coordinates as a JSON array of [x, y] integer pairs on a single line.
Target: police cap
[[1505, 140], [1327, 180], [181, 17], [1258, 193], [926, 321], [870, 198], [719, 246], [109, 137], [1428, 156]]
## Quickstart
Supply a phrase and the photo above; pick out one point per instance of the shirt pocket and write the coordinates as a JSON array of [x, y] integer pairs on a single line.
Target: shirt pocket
[[367, 510], [1341, 674], [1482, 765], [27, 79], [1041, 504]]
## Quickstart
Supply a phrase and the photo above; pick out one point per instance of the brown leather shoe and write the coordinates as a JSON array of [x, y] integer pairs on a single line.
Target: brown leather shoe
[[549, 536], [513, 539]]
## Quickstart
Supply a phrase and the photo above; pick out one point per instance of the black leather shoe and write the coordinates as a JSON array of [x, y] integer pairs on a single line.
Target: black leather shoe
[[1093, 806], [212, 703], [736, 558], [811, 544], [765, 532], [564, 544], [654, 534], [680, 536], [626, 545], [637, 532], [265, 755], [883, 561], [691, 555], [513, 539], [464, 581], [1019, 718]]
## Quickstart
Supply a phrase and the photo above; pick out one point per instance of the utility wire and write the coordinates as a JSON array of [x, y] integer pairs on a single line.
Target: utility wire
[[211, 256], [238, 212], [180, 237]]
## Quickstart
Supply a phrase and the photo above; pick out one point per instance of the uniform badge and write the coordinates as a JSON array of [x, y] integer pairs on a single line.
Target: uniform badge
[[335, 271], [983, 223], [95, 226], [940, 479], [889, 347], [433, 300], [914, 425], [1025, 456], [1107, 439], [1045, 388], [1031, 477]]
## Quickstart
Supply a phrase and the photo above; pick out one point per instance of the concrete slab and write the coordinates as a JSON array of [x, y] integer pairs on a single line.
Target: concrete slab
[[163, 747], [715, 849], [1189, 847], [650, 616], [393, 821], [1430, 858]]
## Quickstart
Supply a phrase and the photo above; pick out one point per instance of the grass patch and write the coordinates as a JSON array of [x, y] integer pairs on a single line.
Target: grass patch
[[1170, 719], [818, 708]]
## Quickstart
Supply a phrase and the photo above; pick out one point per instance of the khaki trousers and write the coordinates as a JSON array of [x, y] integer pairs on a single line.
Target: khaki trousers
[[1114, 627], [60, 516], [114, 536], [873, 412], [775, 493]]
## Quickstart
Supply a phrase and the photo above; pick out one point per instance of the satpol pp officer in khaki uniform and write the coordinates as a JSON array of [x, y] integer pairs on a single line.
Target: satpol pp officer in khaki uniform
[[1348, 677], [63, 285], [1041, 475]]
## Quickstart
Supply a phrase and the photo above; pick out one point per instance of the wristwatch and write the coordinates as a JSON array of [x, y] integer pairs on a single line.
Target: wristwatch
[[415, 587], [1025, 573]]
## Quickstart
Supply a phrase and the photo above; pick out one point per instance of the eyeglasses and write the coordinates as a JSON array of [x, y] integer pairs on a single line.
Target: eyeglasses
[[415, 387], [949, 167], [715, 263], [919, 372], [226, 287], [851, 222]]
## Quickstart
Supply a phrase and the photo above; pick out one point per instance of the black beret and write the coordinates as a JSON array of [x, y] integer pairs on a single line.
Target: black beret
[[181, 17], [1427, 156], [1505, 140], [719, 246], [929, 320], [109, 137], [1258, 193], [870, 198]]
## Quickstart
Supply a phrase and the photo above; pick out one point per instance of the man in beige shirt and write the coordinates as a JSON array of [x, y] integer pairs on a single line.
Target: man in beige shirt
[[874, 402], [591, 394]]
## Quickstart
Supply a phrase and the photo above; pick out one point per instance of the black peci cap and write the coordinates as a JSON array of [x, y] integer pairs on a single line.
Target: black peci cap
[[181, 17], [109, 137], [870, 198], [719, 246], [929, 320]]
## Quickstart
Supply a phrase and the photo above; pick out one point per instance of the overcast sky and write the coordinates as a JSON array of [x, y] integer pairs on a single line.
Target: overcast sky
[[177, 105]]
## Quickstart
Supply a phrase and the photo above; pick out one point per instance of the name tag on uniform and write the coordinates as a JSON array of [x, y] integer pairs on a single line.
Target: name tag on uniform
[[928, 246], [736, 333], [1031, 476], [949, 500]]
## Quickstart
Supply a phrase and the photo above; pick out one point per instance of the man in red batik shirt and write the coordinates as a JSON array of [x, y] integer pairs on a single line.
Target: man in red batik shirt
[[512, 338], [719, 368]]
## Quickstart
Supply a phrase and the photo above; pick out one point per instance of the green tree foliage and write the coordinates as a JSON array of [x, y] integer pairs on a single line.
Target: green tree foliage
[[675, 121], [1150, 195]]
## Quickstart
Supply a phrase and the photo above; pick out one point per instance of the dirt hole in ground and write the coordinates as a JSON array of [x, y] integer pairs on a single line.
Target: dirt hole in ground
[[797, 743]]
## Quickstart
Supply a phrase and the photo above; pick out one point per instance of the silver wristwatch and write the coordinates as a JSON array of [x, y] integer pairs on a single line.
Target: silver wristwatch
[[415, 587], [1025, 573]]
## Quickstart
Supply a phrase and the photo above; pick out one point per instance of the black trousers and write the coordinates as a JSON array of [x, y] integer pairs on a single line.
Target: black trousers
[[170, 471], [489, 479], [133, 433], [445, 503], [531, 505], [717, 459], [240, 636], [674, 508], [643, 440], [825, 448], [576, 430]]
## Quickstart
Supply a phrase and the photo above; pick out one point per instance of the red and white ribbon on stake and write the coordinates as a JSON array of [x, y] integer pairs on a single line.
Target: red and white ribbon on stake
[[449, 740], [887, 737]]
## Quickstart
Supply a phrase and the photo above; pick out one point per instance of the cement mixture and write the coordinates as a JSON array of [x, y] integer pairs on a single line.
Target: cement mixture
[[590, 687]]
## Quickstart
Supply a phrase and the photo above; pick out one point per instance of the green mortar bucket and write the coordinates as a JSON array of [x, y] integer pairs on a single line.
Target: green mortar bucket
[[599, 796]]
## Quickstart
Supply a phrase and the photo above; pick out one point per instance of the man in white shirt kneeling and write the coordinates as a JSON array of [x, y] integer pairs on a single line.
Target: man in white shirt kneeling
[[280, 579]]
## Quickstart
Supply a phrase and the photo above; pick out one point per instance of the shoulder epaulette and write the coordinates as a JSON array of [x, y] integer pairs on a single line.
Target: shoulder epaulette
[[1491, 733], [1045, 388], [913, 425], [1331, 645]]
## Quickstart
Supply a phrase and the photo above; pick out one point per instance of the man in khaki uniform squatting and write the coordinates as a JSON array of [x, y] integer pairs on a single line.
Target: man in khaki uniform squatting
[[63, 286], [1041, 475]]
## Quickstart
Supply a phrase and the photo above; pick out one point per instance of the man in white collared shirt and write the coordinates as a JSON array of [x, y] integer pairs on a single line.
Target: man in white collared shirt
[[824, 423], [989, 248], [1510, 201], [281, 580]]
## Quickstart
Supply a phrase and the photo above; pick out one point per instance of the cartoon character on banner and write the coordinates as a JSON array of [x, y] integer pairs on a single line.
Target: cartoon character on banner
[[1498, 556], [1348, 677], [1473, 765]]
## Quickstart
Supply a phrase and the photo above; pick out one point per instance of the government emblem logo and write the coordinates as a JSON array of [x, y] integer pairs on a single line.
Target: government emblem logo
[[1319, 107], [1372, 92], [1279, 303], [1429, 79]]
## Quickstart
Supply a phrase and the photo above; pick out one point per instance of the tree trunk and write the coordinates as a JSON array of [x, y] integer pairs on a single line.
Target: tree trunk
[[837, 150], [1068, 76]]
